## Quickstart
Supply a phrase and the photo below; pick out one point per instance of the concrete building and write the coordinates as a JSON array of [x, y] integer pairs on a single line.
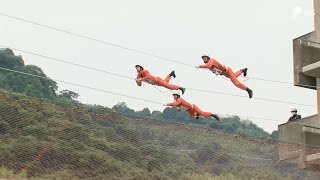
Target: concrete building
[[301, 140]]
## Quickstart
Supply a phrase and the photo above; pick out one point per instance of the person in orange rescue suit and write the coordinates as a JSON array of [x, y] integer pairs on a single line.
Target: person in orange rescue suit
[[145, 76], [192, 109], [219, 69]]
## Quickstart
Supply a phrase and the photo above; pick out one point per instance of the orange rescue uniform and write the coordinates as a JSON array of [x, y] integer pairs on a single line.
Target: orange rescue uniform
[[226, 71], [192, 109], [145, 76]]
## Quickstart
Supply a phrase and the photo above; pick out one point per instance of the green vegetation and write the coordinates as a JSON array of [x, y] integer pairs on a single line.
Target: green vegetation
[[275, 135], [228, 124], [31, 86], [243, 173], [99, 146], [5, 173]]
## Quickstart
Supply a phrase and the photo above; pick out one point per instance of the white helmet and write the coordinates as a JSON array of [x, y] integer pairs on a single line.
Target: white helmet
[[176, 93], [205, 55], [294, 110]]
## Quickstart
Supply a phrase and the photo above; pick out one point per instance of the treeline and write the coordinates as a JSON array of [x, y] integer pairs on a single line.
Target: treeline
[[48, 89], [232, 124]]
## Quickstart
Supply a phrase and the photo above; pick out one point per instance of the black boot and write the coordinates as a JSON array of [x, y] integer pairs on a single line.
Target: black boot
[[215, 116], [182, 89], [197, 116], [173, 74], [245, 72], [250, 92]]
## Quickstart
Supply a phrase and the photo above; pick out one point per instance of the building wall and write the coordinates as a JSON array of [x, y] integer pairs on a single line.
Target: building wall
[[304, 54], [294, 141], [310, 121], [290, 135], [300, 58], [317, 18]]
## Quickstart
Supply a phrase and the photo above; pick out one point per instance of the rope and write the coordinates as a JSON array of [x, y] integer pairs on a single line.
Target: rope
[[224, 78], [101, 90], [79, 85], [134, 50], [154, 102], [160, 90], [93, 39], [200, 90], [68, 62], [68, 103]]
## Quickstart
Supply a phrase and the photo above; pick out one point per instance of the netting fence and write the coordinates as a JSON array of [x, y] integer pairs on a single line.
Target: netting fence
[[43, 140]]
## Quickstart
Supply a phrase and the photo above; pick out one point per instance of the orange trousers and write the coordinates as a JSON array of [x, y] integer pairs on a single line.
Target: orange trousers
[[196, 110], [165, 83], [233, 77]]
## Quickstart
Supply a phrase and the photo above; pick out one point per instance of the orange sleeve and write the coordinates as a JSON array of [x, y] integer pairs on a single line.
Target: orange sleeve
[[218, 65], [138, 83], [146, 75], [176, 103], [208, 65], [204, 66]]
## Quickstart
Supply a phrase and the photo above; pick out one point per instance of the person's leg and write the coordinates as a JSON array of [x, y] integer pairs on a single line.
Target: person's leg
[[191, 113], [200, 112], [163, 83], [234, 79], [238, 73], [244, 71], [167, 79]]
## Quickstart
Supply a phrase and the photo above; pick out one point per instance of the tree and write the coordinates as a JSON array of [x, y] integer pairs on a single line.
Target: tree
[[29, 85], [9, 60], [46, 87], [123, 108], [145, 112], [275, 135], [170, 113], [156, 114], [68, 94]]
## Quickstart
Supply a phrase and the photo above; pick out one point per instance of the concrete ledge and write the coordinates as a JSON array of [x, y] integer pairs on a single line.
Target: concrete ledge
[[312, 162], [311, 129], [303, 55], [311, 58], [313, 157], [290, 155], [310, 43], [306, 121], [312, 69]]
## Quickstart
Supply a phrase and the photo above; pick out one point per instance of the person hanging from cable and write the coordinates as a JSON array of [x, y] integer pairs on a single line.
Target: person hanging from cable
[[193, 110], [219, 69], [145, 76]]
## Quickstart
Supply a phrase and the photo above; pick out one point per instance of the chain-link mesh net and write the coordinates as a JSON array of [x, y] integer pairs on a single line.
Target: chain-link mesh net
[[42, 140]]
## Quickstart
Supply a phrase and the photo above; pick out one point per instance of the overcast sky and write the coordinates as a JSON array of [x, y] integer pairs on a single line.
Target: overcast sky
[[250, 33]]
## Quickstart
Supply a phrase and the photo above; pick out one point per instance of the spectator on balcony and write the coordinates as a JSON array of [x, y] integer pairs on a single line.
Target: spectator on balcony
[[295, 116]]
